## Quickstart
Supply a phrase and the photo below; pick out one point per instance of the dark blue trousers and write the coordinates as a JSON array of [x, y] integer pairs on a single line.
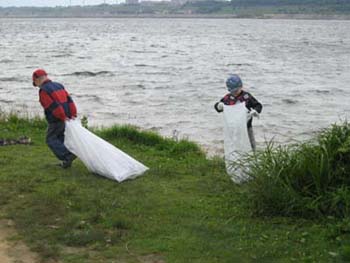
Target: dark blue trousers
[[55, 140]]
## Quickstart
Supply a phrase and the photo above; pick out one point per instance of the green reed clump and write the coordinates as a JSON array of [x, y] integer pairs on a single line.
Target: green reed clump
[[149, 138], [309, 179], [132, 134], [18, 124]]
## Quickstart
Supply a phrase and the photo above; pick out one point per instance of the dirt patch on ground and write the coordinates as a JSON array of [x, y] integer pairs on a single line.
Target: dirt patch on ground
[[11, 250], [152, 258]]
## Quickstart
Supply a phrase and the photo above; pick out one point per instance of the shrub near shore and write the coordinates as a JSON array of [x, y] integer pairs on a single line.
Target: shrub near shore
[[185, 208], [306, 180]]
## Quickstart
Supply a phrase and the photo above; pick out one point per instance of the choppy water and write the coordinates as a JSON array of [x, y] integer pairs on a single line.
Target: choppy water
[[166, 74]]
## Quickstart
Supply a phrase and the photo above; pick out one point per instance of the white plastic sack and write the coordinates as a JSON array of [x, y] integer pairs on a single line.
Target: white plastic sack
[[236, 140], [99, 156]]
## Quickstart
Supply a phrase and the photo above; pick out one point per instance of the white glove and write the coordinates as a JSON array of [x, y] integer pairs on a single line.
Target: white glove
[[220, 106], [253, 113]]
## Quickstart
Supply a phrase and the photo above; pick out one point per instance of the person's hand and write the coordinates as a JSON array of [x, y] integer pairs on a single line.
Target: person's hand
[[253, 113], [220, 106], [69, 119]]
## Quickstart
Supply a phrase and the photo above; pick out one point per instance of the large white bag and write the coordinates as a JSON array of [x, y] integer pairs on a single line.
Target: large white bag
[[236, 140], [99, 156]]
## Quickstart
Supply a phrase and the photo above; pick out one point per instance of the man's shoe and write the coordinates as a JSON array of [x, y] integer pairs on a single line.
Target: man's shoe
[[68, 163]]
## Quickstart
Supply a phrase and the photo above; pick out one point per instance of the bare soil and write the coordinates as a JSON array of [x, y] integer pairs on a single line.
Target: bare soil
[[12, 250]]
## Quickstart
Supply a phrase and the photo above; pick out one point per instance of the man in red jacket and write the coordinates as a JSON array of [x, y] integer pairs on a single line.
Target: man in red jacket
[[58, 107]]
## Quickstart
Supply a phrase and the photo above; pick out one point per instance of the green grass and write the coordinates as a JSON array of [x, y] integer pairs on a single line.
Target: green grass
[[184, 209]]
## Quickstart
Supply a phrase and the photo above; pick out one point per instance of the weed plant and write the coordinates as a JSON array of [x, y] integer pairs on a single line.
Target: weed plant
[[310, 179]]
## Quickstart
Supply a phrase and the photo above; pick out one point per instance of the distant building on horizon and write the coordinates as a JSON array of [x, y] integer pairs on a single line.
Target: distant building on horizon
[[131, 2], [178, 2], [181, 2]]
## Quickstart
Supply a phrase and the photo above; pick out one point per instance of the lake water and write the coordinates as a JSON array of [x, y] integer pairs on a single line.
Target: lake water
[[166, 74]]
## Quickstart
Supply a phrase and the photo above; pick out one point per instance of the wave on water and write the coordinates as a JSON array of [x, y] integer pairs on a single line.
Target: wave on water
[[238, 64], [133, 87], [6, 60], [158, 46], [144, 65], [289, 101], [112, 114], [143, 51], [90, 97], [86, 95], [161, 73], [165, 87], [62, 55], [322, 91], [6, 101], [82, 57], [11, 79], [90, 74]]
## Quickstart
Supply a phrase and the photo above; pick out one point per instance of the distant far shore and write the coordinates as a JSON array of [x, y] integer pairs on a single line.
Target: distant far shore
[[191, 16]]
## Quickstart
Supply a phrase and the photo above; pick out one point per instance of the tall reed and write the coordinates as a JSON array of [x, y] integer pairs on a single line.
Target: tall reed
[[308, 179]]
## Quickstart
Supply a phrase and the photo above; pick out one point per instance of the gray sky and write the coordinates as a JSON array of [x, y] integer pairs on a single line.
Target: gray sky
[[6, 3]]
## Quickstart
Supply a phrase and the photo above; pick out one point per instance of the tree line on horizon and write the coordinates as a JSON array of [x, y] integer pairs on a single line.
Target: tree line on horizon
[[240, 8]]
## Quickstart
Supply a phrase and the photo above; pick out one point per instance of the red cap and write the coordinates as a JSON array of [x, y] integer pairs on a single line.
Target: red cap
[[37, 74]]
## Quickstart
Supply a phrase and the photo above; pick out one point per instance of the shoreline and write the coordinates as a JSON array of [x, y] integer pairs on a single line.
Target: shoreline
[[190, 16]]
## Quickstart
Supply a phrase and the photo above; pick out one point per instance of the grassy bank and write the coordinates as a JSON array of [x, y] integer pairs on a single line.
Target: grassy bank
[[184, 209]]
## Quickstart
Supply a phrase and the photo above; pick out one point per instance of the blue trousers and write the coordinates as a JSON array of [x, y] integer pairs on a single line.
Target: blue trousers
[[55, 140]]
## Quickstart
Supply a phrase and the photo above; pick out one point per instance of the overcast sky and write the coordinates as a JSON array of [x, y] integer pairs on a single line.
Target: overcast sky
[[6, 3]]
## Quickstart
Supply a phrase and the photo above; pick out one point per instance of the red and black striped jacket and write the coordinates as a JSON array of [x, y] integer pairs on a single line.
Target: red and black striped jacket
[[57, 103]]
